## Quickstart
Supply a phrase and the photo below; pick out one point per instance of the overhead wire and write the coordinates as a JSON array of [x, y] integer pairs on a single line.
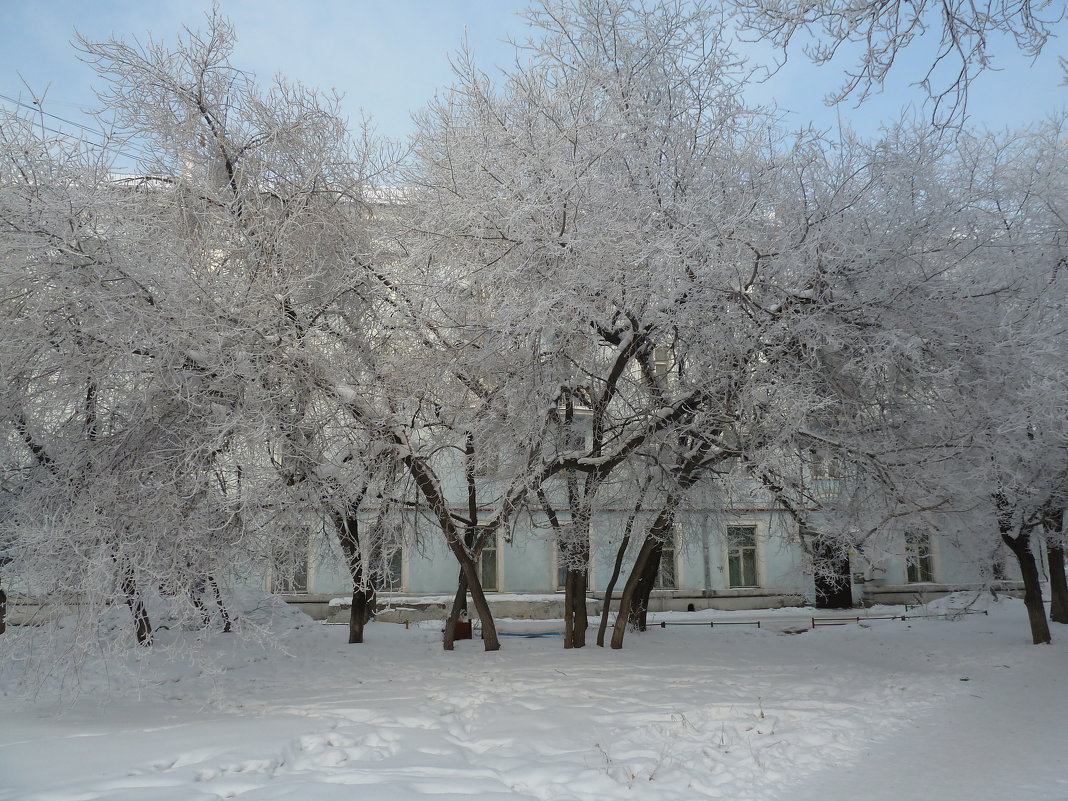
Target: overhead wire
[[38, 109], [128, 149]]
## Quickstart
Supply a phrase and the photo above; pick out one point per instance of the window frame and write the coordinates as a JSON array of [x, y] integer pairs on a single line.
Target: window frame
[[492, 547], [755, 549], [298, 583], [919, 557], [670, 550]]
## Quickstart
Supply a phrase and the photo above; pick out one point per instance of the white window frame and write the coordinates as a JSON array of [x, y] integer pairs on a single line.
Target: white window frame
[[495, 547], [283, 587], [758, 554], [558, 566], [400, 553], [670, 547], [919, 549]]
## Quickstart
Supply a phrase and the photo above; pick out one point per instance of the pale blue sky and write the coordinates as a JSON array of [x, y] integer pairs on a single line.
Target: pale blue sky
[[389, 56]]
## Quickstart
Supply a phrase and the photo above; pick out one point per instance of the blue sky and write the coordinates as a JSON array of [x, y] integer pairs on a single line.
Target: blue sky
[[389, 56]]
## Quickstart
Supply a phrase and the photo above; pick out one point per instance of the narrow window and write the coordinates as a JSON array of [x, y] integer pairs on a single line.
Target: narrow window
[[918, 564], [561, 567], [661, 361], [290, 577], [487, 567], [395, 570], [742, 556], [666, 578], [388, 569], [824, 466]]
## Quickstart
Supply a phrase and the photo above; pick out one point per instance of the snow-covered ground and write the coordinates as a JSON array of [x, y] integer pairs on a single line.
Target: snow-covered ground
[[887, 709]]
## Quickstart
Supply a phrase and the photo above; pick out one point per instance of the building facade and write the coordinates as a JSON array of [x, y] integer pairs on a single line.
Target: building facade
[[744, 558]]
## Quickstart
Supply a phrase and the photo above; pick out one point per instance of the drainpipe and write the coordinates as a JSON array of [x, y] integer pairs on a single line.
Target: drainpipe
[[706, 553]]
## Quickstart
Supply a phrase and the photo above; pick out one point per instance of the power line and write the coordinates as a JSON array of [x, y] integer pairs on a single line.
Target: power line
[[37, 109], [104, 143], [108, 148]]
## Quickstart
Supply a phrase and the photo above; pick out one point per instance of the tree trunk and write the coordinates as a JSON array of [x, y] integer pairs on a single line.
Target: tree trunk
[[142, 625], [617, 568], [630, 589], [576, 583], [430, 487], [482, 607], [348, 533], [639, 610], [227, 622], [3, 611], [831, 575], [1058, 586], [634, 603], [359, 613], [198, 604], [569, 609], [1053, 523], [1020, 545], [459, 606], [576, 617]]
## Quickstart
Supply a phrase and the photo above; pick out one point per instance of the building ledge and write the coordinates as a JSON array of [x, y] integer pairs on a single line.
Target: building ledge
[[925, 587], [733, 592]]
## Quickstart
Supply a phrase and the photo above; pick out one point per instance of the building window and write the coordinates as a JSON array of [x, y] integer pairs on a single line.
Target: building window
[[290, 576], [561, 567], [662, 361], [919, 566], [822, 465], [997, 564], [997, 569], [742, 556], [666, 576], [575, 433], [487, 567], [388, 570], [486, 463], [395, 570]]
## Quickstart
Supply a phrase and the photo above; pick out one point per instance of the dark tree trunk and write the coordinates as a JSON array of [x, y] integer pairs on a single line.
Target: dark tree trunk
[[485, 615], [639, 610], [1020, 545], [617, 568], [471, 540], [630, 588], [3, 611], [1058, 586], [142, 626], [569, 609], [459, 606], [573, 552], [227, 622], [634, 603], [348, 533], [430, 489], [576, 583], [576, 617], [831, 576], [360, 613], [642, 578], [621, 554], [1053, 525], [198, 604]]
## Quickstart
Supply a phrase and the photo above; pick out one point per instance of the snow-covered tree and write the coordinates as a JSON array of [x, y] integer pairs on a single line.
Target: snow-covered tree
[[1014, 454], [177, 335], [881, 31], [574, 202]]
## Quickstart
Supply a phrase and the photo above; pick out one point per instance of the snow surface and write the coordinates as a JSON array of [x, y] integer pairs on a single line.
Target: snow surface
[[884, 709]]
